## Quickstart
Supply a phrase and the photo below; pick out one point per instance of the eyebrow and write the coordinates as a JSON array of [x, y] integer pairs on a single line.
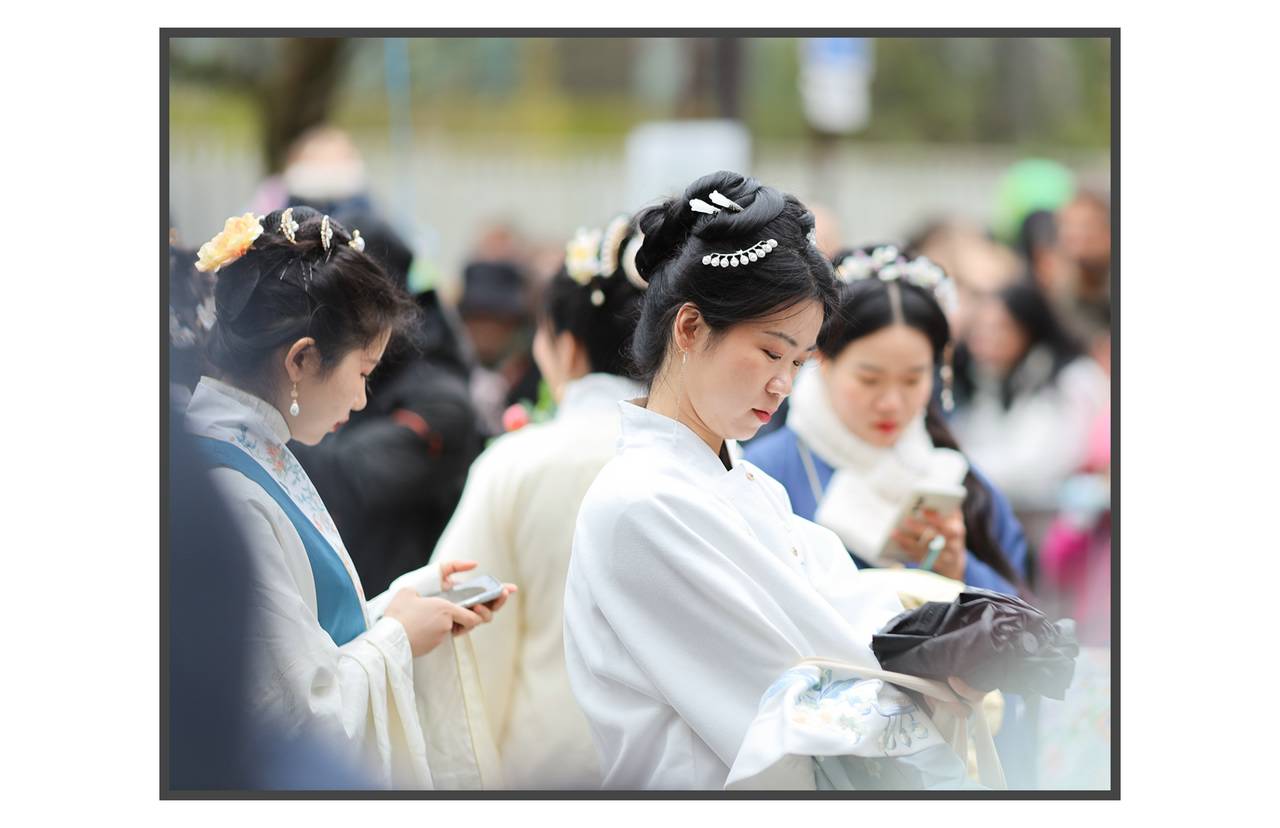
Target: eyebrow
[[791, 341]]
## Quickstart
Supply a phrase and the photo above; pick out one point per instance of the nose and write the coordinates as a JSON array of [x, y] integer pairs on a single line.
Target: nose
[[890, 402], [780, 385], [361, 399]]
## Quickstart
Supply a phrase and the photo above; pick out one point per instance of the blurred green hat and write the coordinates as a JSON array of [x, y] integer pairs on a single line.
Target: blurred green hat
[[1029, 185]]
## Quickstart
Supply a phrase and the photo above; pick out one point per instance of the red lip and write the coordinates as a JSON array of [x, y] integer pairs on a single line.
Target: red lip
[[887, 428], [337, 426], [762, 415]]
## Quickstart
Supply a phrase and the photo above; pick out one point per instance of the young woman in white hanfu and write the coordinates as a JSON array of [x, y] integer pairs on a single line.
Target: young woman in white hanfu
[[692, 587], [303, 317], [518, 510]]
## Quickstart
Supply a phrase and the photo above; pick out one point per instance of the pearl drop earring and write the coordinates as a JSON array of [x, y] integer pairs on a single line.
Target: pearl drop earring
[[294, 407]]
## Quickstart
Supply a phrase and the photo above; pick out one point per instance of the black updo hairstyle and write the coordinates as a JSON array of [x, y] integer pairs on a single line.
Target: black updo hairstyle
[[281, 291], [602, 313], [868, 305], [676, 238]]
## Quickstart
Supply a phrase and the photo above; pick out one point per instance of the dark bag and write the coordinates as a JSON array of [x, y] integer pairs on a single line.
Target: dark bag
[[991, 641]]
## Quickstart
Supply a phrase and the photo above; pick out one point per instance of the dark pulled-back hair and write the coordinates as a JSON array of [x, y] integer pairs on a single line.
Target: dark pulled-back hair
[[601, 311], [677, 238], [281, 291], [869, 305]]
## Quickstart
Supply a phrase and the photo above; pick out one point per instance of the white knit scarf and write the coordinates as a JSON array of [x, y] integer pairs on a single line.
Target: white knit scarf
[[871, 485]]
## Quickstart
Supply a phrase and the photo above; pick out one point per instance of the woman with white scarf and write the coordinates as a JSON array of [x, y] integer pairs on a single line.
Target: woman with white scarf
[[863, 436]]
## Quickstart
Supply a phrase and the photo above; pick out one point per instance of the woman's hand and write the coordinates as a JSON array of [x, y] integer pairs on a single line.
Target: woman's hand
[[427, 621], [448, 568], [970, 699], [915, 534]]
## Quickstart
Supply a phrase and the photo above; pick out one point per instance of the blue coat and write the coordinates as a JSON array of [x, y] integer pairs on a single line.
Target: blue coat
[[777, 455]]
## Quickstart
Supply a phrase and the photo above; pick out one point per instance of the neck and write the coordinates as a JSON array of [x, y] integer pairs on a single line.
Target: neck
[[279, 400], [666, 398]]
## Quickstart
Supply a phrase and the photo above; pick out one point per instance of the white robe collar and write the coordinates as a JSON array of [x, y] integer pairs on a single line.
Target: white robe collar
[[871, 483], [642, 428], [227, 413]]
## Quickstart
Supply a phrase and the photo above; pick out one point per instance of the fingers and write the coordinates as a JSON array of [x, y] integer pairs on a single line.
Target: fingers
[[912, 526], [462, 617], [450, 567], [486, 614], [497, 603], [910, 545]]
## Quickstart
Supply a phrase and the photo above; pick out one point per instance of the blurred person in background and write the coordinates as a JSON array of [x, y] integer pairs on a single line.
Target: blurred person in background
[[323, 169], [191, 317], [1026, 397], [1075, 558], [393, 473], [1083, 294], [978, 265], [303, 318], [495, 314], [517, 514]]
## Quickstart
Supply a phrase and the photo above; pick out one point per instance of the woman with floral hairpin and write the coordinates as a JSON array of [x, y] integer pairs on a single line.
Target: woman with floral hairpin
[[303, 317], [518, 509]]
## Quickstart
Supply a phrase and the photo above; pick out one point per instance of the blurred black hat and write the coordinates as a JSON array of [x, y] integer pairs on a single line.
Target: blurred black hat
[[493, 289]]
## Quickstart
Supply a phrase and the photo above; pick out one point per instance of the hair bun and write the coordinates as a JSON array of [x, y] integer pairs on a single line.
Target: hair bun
[[668, 226], [759, 206]]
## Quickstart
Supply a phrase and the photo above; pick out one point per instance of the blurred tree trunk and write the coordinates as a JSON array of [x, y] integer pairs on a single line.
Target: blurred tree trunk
[[299, 94], [728, 76]]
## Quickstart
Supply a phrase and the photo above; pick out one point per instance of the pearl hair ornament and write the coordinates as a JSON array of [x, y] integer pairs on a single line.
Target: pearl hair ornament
[[326, 234], [888, 265], [753, 253], [289, 226]]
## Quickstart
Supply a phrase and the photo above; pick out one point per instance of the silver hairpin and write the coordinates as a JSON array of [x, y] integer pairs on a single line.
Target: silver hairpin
[[725, 202], [700, 206], [288, 226], [753, 253], [326, 233], [356, 243]]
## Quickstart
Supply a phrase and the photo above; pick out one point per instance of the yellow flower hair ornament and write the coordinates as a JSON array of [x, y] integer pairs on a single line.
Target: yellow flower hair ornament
[[237, 236]]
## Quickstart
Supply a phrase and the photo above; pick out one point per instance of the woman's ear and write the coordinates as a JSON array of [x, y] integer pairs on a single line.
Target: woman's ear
[[688, 327], [301, 358], [568, 352]]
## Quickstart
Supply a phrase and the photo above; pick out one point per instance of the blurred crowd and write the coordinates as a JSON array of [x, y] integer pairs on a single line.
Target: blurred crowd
[[1029, 371]]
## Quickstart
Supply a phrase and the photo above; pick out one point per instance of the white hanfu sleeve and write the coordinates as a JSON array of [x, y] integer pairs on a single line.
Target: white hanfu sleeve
[[709, 615], [359, 696]]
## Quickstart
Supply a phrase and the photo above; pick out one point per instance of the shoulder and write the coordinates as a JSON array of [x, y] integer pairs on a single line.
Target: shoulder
[[635, 496]]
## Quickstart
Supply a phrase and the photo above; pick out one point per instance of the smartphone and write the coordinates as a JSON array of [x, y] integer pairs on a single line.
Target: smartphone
[[479, 590], [943, 500]]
